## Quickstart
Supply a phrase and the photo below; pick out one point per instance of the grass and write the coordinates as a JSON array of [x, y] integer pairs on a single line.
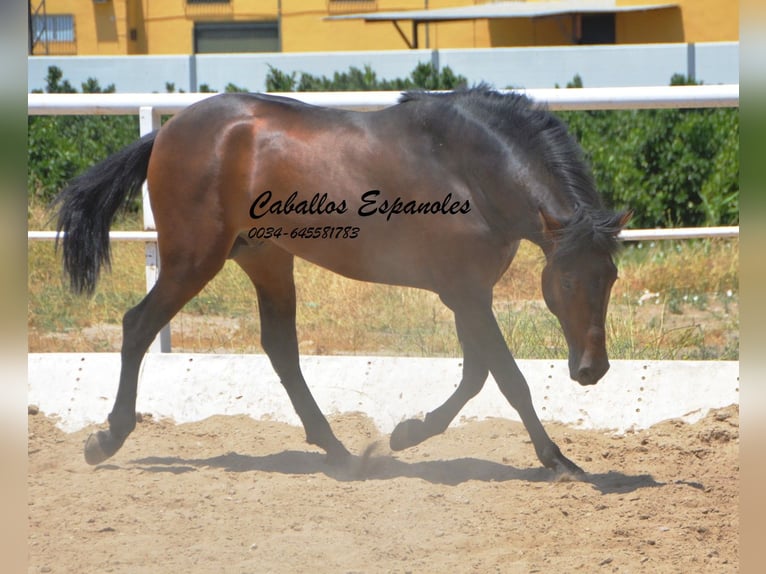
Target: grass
[[674, 300]]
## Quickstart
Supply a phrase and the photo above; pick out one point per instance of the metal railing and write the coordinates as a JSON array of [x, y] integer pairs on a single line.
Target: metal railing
[[151, 107], [717, 96]]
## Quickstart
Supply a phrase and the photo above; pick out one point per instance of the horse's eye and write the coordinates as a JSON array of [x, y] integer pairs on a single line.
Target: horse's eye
[[567, 283]]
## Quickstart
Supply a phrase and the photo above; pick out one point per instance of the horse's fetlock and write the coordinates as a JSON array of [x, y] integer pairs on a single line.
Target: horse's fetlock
[[122, 424], [434, 424], [549, 455]]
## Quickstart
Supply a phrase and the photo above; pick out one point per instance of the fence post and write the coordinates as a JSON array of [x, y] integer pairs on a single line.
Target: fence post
[[149, 120]]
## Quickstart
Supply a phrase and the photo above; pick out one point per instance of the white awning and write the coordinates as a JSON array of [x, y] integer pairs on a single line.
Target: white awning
[[494, 10]]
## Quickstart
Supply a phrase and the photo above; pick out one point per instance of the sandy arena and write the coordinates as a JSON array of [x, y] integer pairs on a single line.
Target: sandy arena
[[232, 494]]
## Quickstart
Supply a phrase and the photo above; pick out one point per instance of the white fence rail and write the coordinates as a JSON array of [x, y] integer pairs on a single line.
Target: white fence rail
[[725, 95], [150, 108], [625, 235]]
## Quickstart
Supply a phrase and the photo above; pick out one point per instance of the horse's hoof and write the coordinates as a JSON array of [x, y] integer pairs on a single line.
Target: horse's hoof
[[363, 466], [338, 457], [100, 446], [564, 467], [408, 433]]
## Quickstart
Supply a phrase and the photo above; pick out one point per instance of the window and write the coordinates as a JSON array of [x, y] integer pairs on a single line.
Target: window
[[227, 37], [51, 28], [597, 29]]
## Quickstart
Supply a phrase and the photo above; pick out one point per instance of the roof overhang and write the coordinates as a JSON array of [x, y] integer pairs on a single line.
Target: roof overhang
[[495, 10]]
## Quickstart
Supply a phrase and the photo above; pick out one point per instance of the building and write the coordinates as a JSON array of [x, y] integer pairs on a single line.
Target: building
[[160, 27]]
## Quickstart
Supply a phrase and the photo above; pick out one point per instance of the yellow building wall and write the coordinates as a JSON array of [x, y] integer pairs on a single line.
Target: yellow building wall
[[456, 35], [100, 28], [166, 26], [661, 26], [710, 21], [692, 21]]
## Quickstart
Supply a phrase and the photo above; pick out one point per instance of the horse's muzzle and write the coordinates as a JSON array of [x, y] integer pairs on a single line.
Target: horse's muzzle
[[589, 376], [589, 370], [588, 366]]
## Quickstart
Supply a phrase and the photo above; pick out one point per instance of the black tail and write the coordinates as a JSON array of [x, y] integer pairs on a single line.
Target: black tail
[[87, 206]]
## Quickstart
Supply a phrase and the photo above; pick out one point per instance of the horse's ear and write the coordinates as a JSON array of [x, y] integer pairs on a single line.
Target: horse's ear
[[625, 217], [551, 225]]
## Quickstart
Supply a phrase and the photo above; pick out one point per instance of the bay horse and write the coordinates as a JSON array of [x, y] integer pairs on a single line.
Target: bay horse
[[435, 192]]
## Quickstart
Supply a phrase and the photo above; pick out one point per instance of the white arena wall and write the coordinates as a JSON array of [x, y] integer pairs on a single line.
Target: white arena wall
[[598, 66], [79, 389]]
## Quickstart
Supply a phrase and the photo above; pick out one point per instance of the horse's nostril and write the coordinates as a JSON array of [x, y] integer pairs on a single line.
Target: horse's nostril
[[591, 374]]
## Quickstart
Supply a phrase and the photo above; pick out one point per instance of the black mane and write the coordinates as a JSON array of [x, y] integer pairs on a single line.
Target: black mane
[[517, 118]]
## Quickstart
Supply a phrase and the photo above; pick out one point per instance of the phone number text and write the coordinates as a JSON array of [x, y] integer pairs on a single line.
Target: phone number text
[[327, 232]]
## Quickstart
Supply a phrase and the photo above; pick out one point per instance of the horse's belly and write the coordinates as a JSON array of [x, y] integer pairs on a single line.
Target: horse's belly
[[382, 263], [427, 254]]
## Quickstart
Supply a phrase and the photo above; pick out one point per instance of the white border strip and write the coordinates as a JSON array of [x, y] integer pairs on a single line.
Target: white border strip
[[79, 389]]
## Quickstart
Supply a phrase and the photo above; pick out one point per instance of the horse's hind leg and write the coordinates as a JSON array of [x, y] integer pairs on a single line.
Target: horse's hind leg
[[414, 431], [180, 279], [271, 271]]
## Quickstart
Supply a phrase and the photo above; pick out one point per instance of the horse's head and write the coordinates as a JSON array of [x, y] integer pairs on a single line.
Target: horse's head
[[577, 281]]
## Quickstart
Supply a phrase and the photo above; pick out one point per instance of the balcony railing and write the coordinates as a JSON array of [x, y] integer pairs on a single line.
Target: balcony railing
[[351, 6], [208, 8]]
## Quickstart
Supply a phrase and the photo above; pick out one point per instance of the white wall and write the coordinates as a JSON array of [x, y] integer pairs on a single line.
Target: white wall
[[250, 70], [79, 389], [598, 66]]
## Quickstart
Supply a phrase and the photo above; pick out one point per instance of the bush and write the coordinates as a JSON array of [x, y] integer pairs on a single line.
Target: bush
[[60, 147], [672, 167], [424, 76]]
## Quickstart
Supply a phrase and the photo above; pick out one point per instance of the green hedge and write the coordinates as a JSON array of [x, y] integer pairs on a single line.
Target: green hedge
[[672, 167], [424, 76], [61, 147]]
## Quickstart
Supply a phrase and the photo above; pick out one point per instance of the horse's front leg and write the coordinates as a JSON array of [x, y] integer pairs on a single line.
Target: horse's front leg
[[414, 431], [271, 271], [480, 324]]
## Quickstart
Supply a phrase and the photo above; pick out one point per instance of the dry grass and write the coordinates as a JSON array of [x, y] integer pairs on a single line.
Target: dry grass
[[674, 300]]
